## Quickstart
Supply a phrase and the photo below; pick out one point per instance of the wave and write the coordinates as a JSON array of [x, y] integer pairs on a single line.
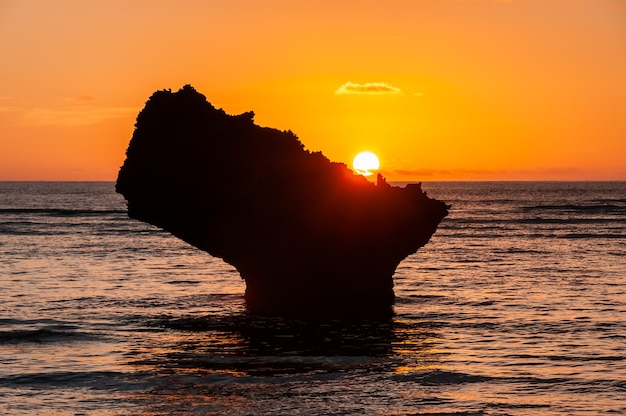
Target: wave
[[92, 379], [597, 208], [61, 212], [590, 236], [41, 335], [439, 377], [571, 220], [39, 330]]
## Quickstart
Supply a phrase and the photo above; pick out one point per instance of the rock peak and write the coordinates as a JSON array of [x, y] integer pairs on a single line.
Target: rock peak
[[307, 235]]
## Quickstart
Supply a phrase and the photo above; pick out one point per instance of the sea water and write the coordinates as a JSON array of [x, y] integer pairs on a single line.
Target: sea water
[[517, 306]]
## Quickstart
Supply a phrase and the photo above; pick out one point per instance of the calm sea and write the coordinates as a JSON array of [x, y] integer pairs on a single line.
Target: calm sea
[[517, 306]]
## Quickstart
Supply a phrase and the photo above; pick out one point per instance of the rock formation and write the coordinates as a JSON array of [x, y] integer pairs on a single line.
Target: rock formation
[[307, 235]]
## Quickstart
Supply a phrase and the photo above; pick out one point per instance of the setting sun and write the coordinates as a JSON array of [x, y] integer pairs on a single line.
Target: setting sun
[[365, 162]]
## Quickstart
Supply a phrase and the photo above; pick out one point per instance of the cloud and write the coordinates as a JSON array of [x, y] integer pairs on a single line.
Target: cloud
[[82, 98], [619, 4], [485, 174], [367, 88], [72, 111], [421, 172], [488, 1], [76, 115], [6, 107]]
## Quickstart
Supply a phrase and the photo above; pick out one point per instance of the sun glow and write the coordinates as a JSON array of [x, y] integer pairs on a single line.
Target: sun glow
[[431, 115], [365, 163]]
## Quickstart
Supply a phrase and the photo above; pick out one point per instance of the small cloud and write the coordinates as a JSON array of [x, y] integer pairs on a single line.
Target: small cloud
[[79, 99], [421, 172], [76, 115], [485, 174], [5, 107], [367, 88], [488, 1], [418, 94]]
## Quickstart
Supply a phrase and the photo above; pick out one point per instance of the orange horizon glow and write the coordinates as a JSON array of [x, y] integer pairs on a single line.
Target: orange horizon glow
[[438, 89]]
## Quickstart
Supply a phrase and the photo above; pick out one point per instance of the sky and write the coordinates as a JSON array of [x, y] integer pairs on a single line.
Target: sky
[[438, 89]]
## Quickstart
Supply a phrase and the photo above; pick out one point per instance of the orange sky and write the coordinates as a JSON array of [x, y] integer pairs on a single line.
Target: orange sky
[[439, 89]]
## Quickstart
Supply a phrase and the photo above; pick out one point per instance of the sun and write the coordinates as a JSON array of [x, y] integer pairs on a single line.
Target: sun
[[365, 162]]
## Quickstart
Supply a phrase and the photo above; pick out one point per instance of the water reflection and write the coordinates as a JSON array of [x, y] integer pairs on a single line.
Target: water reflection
[[254, 345], [221, 360]]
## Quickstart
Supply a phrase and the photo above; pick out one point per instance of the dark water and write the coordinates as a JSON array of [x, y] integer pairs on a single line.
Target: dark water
[[517, 306]]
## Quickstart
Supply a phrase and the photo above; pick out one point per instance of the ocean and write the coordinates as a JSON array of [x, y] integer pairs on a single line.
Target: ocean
[[517, 306]]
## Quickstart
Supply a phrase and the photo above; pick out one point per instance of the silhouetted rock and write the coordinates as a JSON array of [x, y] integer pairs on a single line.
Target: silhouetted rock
[[307, 235]]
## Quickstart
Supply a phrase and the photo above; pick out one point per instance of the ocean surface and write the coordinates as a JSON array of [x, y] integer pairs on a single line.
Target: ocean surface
[[517, 306]]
